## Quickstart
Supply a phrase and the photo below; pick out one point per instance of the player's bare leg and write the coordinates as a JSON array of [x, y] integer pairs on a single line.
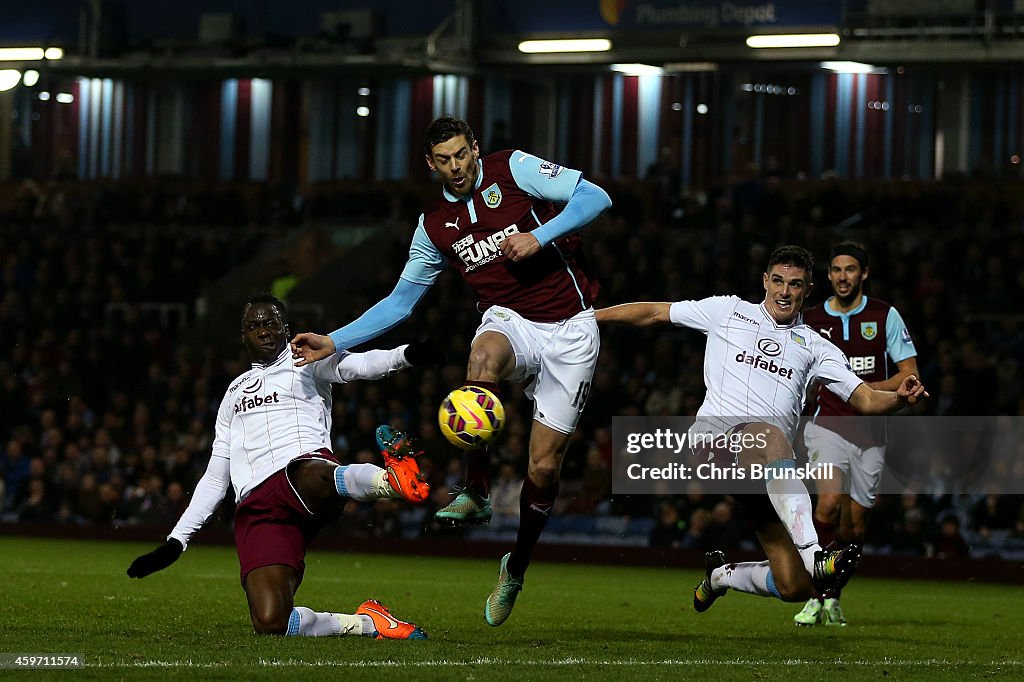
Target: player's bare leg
[[826, 515], [858, 519], [791, 578], [852, 528], [853, 517], [491, 359], [315, 483], [540, 488], [324, 486], [270, 591]]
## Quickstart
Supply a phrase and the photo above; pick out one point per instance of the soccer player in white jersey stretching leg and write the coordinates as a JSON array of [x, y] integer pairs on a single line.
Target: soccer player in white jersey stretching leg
[[758, 359], [272, 436]]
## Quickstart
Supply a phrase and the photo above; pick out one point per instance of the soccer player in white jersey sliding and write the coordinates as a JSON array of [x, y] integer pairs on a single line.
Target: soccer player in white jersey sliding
[[272, 435], [758, 360]]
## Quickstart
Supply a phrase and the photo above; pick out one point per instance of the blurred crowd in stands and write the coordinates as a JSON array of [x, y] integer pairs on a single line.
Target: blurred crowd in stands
[[107, 399]]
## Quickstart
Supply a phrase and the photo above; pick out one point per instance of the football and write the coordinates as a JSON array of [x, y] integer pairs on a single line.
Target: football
[[470, 417]]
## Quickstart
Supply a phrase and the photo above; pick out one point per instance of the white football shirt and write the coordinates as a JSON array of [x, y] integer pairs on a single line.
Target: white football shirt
[[269, 416], [757, 370]]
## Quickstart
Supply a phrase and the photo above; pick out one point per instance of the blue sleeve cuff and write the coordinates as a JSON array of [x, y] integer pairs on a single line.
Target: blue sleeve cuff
[[586, 203], [387, 314]]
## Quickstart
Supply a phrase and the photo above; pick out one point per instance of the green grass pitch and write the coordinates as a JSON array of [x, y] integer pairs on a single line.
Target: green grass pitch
[[591, 622]]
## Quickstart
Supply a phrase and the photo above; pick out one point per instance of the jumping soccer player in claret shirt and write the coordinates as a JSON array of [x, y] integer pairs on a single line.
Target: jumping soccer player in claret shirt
[[497, 224]]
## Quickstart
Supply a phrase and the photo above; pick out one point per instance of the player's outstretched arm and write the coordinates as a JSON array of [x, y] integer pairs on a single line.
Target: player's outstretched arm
[[377, 364], [636, 314], [869, 401], [904, 368], [207, 495], [157, 560], [386, 314]]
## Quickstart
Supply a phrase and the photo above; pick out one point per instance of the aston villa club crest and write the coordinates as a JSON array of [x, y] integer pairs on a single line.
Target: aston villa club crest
[[869, 330], [492, 196]]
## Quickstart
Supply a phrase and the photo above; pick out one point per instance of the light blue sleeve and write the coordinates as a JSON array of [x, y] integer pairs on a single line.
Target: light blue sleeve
[[543, 179], [385, 315], [898, 343], [424, 265], [425, 262], [586, 203]]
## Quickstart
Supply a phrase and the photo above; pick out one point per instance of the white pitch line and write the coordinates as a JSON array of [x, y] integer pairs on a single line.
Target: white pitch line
[[560, 662]]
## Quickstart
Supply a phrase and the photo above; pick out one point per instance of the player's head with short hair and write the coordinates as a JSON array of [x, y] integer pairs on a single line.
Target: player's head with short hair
[[266, 297], [453, 153], [444, 128], [794, 256], [847, 271], [787, 282], [264, 327]]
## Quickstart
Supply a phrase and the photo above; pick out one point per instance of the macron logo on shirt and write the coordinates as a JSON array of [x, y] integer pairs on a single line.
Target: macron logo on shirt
[[744, 318]]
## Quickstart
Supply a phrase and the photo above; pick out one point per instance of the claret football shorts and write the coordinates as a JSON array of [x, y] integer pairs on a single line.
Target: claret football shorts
[[560, 356], [272, 524]]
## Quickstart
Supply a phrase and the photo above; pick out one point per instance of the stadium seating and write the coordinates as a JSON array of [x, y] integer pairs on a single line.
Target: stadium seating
[[101, 385]]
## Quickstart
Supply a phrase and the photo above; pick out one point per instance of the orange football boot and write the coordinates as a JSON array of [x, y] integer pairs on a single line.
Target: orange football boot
[[387, 626], [403, 472]]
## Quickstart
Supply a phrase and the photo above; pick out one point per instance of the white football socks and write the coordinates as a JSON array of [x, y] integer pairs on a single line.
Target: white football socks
[[749, 577], [305, 622], [362, 482], [793, 505]]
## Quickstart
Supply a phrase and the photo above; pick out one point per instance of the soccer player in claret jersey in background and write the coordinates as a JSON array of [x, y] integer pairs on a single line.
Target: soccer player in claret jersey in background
[[870, 332], [758, 360], [271, 444], [497, 224]]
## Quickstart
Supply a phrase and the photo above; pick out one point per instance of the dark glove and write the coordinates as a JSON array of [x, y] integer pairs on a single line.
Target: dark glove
[[157, 560], [425, 353]]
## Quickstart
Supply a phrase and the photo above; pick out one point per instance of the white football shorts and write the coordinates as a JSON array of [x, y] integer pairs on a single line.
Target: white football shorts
[[561, 356], [862, 468]]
